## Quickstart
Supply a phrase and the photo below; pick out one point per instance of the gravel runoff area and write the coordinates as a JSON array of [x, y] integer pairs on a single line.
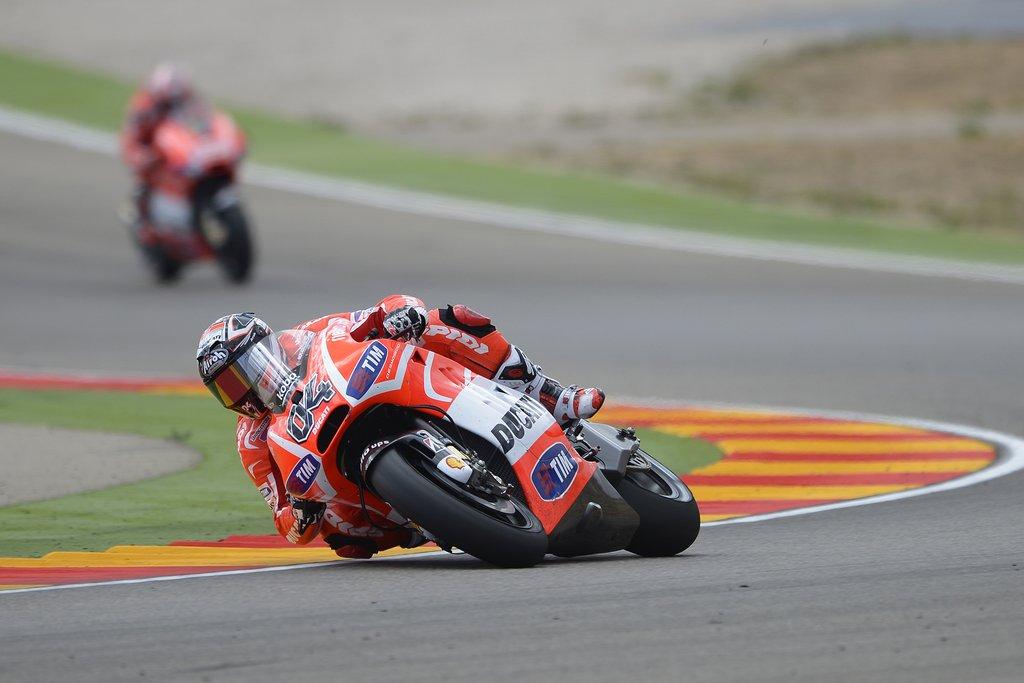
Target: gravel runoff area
[[31, 456], [363, 61], [433, 72]]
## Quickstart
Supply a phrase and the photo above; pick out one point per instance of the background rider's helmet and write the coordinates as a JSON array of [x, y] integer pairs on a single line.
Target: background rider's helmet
[[243, 365], [169, 85]]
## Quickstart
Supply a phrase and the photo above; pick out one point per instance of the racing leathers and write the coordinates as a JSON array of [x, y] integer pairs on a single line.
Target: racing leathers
[[455, 332], [145, 114], [143, 118]]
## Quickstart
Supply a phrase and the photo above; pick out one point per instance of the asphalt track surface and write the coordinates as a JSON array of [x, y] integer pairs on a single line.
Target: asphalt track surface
[[925, 588]]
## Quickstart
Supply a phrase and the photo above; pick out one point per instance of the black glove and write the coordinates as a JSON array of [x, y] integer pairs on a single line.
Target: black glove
[[307, 512], [407, 322]]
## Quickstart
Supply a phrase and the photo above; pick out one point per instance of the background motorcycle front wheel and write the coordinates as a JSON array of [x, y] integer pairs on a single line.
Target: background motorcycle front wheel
[[235, 253], [165, 269], [415, 488], [669, 516]]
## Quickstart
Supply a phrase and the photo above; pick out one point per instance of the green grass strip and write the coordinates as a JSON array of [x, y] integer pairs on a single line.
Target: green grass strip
[[679, 453], [211, 501], [99, 101]]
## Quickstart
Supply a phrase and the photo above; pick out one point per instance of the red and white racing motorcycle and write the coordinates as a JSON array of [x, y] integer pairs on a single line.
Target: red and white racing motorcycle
[[424, 441], [194, 209]]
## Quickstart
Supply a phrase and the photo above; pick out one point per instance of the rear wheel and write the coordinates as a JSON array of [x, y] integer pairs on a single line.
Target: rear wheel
[[498, 530], [669, 516]]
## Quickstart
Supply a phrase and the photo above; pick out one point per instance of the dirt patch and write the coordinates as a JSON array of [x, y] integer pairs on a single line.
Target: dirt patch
[[952, 182], [869, 76], [44, 462], [376, 65], [923, 132]]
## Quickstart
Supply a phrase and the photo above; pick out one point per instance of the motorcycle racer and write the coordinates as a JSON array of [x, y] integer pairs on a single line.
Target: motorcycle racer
[[167, 88], [251, 371]]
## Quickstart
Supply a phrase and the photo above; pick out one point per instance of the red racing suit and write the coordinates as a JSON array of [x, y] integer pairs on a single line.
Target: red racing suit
[[143, 118], [140, 124], [455, 332]]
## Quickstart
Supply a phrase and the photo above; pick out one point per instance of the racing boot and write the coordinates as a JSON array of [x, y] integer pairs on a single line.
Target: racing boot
[[565, 403]]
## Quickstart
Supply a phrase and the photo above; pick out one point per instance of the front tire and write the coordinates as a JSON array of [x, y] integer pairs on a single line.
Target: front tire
[[165, 268], [236, 253], [669, 516], [410, 484]]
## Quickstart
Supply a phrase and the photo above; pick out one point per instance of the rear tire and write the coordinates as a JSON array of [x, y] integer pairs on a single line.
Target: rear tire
[[669, 516], [236, 253], [399, 479]]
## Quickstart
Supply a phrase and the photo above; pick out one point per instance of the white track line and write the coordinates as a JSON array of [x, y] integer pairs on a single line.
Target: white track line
[[569, 225], [1011, 459]]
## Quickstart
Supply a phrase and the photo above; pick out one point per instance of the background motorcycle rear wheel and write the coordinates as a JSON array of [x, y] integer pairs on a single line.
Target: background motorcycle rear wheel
[[669, 516], [412, 485]]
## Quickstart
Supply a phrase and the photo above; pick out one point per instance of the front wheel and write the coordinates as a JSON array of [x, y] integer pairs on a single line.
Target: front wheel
[[164, 267], [236, 252], [669, 517], [501, 531]]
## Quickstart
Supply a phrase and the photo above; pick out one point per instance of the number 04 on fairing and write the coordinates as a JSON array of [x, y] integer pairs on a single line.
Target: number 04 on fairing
[[425, 442]]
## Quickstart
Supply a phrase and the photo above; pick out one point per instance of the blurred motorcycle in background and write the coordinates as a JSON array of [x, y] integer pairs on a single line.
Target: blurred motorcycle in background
[[195, 212]]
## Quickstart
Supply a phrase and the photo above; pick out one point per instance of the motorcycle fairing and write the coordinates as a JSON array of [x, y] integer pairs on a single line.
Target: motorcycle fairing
[[339, 369], [608, 528], [185, 146], [302, 470], [524, 431], [371, 375], [406, 375]]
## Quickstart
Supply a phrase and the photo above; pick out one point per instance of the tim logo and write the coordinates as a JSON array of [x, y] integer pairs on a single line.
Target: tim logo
[[367, 370], [303, 475], [554, 472]]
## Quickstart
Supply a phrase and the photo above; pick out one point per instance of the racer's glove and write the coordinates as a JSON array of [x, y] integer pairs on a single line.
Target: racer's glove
[[307, 513], [408, 323]]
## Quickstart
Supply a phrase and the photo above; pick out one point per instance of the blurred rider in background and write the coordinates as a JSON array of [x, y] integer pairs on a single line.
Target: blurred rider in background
[[167, 88], [251, 370]]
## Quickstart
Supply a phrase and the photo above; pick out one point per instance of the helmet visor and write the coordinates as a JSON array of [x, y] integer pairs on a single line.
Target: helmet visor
[[229, 387], [261, 372], [264, 369]]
